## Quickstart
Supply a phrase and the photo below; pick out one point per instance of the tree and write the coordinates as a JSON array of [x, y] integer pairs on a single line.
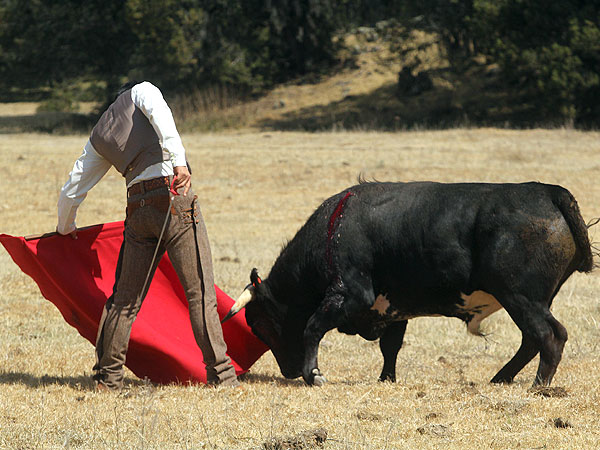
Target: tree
[[300, 35], [452, 20], [176, 43], [550, 50], [246, 43], [47, 42]]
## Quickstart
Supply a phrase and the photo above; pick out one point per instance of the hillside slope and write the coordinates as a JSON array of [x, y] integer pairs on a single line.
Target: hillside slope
[[387, 79]]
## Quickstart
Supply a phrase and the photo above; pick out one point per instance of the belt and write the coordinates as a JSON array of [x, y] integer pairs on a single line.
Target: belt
[[159, 202], [148, 185]]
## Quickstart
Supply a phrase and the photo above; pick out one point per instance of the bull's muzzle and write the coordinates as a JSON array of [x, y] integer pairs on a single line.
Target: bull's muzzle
[[246, 297]]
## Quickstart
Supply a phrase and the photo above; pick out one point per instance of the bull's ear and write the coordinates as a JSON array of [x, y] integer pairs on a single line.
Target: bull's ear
[[254, 278]]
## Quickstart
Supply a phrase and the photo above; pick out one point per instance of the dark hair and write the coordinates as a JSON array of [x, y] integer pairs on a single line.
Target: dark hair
[[126, 87]]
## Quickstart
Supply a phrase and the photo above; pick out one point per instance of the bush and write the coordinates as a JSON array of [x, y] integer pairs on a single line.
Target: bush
[[58, 103], [549, 50]]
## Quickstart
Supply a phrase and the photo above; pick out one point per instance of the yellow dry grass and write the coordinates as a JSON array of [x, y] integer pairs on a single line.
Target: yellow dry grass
[[256, 189], [30, 108]]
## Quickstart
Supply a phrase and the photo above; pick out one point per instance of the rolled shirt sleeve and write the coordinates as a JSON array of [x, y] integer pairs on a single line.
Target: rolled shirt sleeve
[[89, 168], [150, 101]]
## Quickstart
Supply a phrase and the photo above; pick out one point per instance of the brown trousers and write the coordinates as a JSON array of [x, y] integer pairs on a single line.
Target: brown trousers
[[186, 241]]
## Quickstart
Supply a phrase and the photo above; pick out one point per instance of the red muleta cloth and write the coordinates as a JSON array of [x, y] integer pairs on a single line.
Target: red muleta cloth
[[77, 276]]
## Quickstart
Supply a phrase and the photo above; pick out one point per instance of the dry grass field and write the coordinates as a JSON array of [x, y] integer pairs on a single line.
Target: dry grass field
[[256, 189]]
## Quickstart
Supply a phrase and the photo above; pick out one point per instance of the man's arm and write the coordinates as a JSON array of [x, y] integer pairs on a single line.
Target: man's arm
[[151, 102], [89, 168]]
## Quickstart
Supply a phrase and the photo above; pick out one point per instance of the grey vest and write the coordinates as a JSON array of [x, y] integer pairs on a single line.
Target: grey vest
[[125, 137]]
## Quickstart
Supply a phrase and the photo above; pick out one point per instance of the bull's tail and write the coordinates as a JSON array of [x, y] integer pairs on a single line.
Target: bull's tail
[[569, 208]]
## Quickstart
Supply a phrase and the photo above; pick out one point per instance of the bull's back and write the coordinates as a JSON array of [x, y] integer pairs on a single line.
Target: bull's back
[[434, 236], [424, 237]]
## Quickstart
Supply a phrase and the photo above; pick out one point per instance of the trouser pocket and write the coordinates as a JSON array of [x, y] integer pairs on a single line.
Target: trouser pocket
[[191, 213]]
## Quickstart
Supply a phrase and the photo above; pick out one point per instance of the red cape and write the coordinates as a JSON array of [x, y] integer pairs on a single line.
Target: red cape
[[77, 276]]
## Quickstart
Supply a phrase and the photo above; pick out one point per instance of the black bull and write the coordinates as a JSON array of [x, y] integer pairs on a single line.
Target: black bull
[[378, 254]]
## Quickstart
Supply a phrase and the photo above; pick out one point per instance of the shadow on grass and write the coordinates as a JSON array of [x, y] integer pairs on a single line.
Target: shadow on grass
[[81, 382], [260, 378], [85, 382], [476, 97], [48, 122]]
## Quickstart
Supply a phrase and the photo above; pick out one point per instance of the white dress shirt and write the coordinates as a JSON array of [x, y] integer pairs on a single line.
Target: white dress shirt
[[90, 167]]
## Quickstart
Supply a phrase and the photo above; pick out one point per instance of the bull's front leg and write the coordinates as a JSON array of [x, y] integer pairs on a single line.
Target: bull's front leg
[[390, 343], [327, 317]]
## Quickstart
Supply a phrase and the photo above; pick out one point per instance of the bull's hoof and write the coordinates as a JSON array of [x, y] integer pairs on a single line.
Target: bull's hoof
[[387, 377], [317, 378], [499, 379]]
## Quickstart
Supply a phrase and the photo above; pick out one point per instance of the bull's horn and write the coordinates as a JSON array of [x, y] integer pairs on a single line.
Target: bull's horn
[[245, 298]]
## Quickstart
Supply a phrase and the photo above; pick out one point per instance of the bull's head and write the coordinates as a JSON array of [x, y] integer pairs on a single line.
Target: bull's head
[[273, 323]]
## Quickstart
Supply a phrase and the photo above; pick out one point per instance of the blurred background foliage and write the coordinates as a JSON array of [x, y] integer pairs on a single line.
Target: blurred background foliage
[[544, 55]]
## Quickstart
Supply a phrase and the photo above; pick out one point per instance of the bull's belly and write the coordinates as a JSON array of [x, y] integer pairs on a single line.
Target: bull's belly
[[473, 309], [477, 307]]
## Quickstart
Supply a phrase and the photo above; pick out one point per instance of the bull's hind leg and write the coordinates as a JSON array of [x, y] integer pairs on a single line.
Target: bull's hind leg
[[390, 344], [526, 353], [541, 333], [551, 352]]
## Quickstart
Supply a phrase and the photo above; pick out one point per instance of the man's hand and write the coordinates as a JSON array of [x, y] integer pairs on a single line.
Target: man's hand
[[73, 233], [183, 180]]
